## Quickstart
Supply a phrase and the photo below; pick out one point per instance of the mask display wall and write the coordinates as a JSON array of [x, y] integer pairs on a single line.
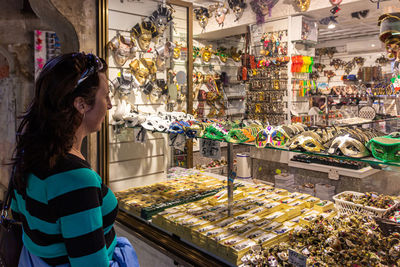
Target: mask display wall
[[144, 32]]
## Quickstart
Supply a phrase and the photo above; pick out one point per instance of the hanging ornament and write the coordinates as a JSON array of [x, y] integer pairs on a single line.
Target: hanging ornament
[[262, 8], [302, 5], [202, 15], [237, 7], [335, 2], [220, 12]]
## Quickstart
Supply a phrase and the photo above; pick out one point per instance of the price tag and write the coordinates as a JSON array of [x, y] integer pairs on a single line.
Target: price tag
[[210, 148], [297, 259]]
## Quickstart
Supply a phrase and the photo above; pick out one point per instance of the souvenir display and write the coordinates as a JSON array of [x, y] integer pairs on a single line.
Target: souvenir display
[[319, 114], [346, 240], [262, 215], [144, 32], [146, 201]]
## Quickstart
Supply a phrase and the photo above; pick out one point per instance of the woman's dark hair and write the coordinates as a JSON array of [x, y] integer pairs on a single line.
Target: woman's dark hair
[[48, 127]]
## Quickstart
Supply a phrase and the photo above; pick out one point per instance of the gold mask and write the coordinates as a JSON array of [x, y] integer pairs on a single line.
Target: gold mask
[[144, 32], [177, 50], [142, 69], [303, 5], [206, 53]]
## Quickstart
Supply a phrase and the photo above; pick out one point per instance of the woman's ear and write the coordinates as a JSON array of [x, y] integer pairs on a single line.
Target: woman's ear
[[80, 105]]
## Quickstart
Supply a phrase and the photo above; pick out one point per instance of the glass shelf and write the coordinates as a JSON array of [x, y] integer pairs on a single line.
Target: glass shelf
[[375, 163]]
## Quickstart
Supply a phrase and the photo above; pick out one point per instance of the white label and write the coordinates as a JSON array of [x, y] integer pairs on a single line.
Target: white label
[[297, 259]]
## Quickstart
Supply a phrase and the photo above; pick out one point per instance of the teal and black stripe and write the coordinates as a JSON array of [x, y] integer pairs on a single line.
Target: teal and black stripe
[[67, 214]]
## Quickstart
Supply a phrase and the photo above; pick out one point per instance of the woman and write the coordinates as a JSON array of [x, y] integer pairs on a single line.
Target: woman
[[66, 211]]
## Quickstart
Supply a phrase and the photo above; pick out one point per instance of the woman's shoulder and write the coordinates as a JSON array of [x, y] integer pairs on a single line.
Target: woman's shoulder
[[69, 174]]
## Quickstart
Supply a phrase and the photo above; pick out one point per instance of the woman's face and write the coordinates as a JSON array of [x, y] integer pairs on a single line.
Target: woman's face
[[95, 116]]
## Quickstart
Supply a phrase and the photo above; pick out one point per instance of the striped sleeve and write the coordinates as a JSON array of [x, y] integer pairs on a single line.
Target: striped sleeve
[[77, 196], [14, 208]]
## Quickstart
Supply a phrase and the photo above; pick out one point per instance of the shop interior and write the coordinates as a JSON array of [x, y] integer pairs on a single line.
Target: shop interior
[[241, 130]]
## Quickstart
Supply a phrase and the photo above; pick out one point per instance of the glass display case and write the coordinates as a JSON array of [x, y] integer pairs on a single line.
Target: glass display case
[[311, 135]]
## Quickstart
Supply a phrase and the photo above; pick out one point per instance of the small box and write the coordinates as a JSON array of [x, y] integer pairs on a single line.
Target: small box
[[323, 205]]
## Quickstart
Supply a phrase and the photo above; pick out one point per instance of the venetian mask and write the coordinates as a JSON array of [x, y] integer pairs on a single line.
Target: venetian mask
[[122, 49], [222, 54], [144, 32], [202, 16], [161, 17], [155, 95], [177, 50], [142, 69], [272, 262], [348, 146], [220, 12], [278, 137], [308, 141], [207, 53], [124, 84], [237, 7], [236, 55]]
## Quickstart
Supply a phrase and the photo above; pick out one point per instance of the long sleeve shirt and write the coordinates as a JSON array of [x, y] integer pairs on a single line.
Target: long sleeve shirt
[[67, 214]]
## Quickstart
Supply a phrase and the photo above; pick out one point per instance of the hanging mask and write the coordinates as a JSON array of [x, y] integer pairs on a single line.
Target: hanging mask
[[122, 49], [144, 32], [142, 69], [348, 146], [262, 8], [307, 141], [302, 5], [206, 53], [386, 148], [177, 50], [220, 12], [124, 84], [155, 95], [202, 16], [236, 55], [237, 7], [335, 2], [161, 17]]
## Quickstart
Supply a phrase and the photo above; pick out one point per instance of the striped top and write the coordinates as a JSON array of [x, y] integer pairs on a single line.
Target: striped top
[[67, 214]]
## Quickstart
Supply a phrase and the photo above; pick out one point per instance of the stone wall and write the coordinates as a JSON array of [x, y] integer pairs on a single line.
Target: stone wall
[[17, 23]]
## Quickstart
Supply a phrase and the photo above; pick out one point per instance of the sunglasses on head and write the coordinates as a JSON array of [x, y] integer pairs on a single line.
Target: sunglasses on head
[[94, 65]]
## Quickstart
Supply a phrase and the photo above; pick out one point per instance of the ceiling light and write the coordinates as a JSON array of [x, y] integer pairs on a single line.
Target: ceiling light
[[331, 25], [373, 45]]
